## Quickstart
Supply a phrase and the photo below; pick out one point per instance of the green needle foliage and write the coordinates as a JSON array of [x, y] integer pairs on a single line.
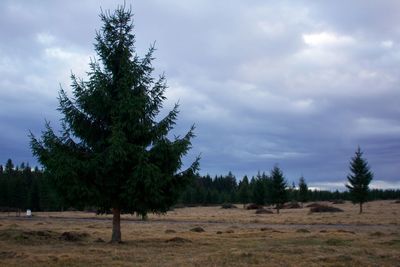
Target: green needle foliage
[[244, 190], [278, 188], [113, 153], [359, 179], [303, 190]]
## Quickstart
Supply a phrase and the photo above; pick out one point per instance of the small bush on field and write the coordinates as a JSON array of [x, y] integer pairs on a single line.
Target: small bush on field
[[337, 242], [302, 231], [377, 234], [291, 205], [266, 229], [228, 206], [253, 207], [263, 211], [73, 236], [179, 206], [324, 208], [312, 205], [103, 211], [338, 201]]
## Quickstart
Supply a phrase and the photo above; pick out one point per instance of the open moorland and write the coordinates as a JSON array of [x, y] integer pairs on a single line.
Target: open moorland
[[207, 236]]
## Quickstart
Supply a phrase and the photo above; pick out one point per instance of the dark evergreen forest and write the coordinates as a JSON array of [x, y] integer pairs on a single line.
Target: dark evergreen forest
[[23, 187]]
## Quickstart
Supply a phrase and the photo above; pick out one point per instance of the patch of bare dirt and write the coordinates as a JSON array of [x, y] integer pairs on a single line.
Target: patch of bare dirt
[[73, 236], [263, 211], [178, 240]]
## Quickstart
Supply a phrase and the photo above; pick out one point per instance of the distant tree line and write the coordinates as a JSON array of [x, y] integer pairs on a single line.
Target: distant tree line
[[207, 190], [23, 187]]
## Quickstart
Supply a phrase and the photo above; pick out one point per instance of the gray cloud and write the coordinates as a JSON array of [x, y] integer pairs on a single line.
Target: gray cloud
[[265, 82]]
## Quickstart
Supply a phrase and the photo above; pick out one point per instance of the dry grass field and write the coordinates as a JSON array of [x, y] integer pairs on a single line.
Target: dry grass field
[[231, 237]]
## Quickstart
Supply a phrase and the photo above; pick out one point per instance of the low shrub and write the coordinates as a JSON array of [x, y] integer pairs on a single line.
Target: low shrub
[[253, 206], [325, 208], [73, 236], [263, 211], [291, 205], [228, 206], [312, 205], [302, 230]]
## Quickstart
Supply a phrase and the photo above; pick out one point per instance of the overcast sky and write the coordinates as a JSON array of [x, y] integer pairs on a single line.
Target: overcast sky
[[295, 83]]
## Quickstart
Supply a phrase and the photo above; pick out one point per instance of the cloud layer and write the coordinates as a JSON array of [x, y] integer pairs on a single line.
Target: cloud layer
[[266, 82]]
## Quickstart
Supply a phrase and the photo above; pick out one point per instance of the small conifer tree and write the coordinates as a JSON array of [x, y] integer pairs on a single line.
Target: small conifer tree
[[258, 195], [359, 179], [278, 188], [244, 190], [303, 190]]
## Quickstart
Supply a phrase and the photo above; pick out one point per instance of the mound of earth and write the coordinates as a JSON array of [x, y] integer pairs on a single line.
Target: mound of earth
[[197, 229]]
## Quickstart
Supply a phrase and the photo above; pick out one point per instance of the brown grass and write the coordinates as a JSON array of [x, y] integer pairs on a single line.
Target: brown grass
[[294, 238]]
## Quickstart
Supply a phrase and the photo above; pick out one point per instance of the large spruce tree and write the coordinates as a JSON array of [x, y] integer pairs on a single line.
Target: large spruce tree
[[359, 179], [113, 153]]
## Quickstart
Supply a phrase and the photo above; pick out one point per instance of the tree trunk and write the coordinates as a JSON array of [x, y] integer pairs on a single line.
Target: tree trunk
[[360, 207], [116, 229], [277, 208]]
